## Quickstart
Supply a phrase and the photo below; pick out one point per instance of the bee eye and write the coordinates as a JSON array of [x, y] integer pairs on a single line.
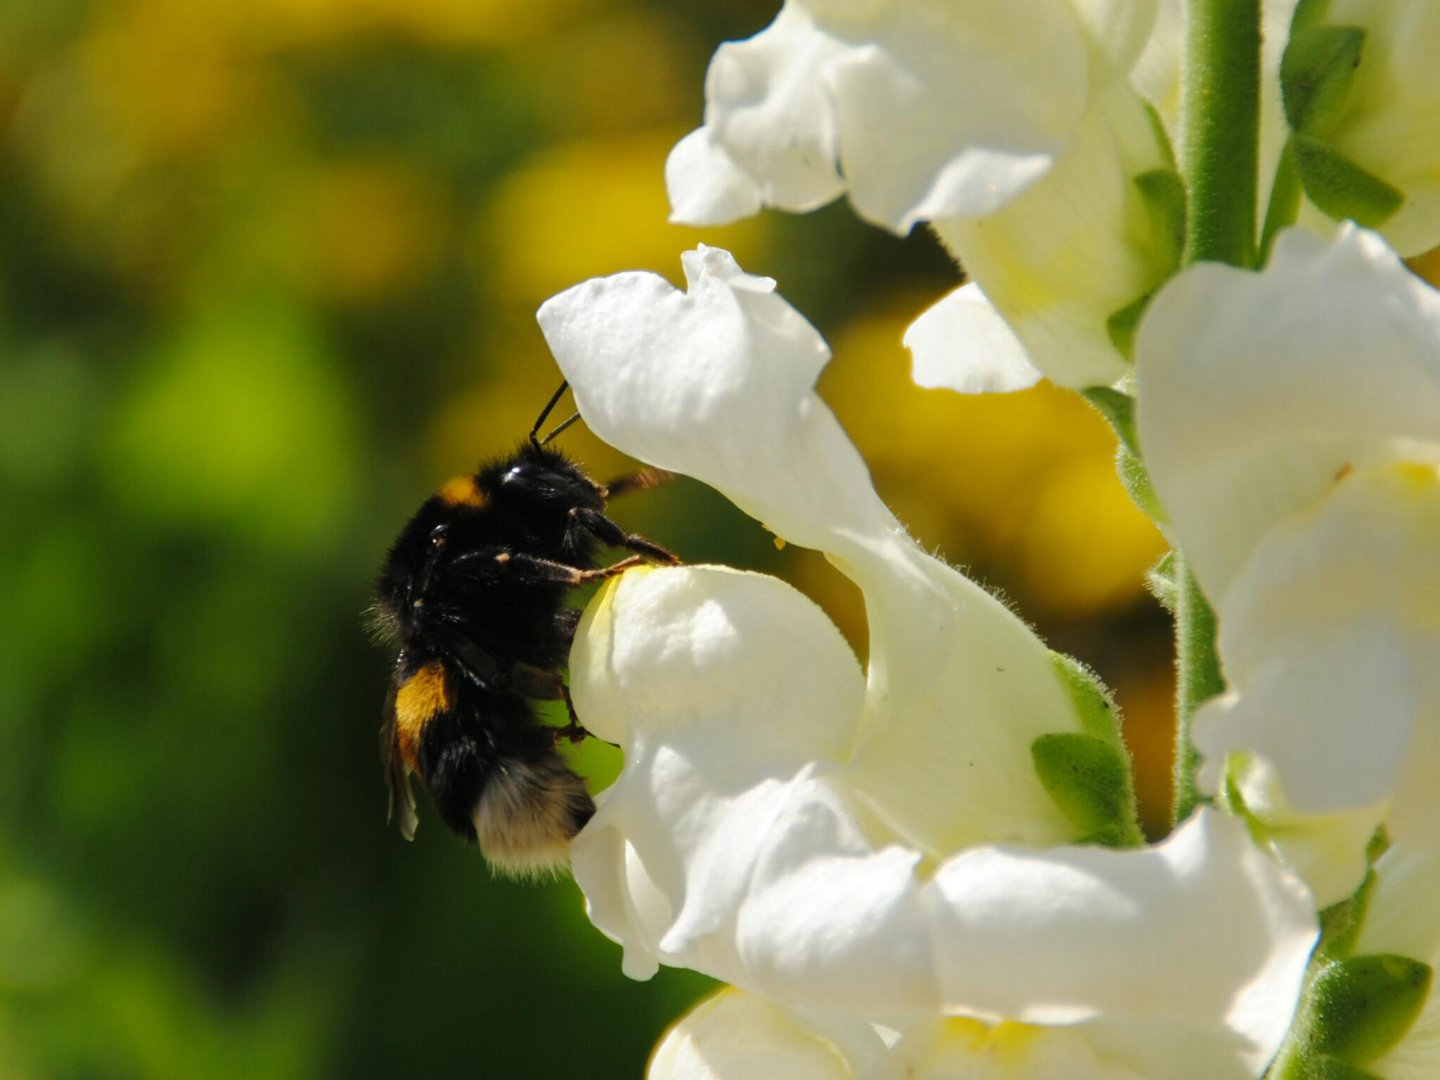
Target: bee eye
[[516, 472], [437, 535]]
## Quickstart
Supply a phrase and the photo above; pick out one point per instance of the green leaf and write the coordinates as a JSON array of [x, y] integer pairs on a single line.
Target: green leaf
[[1315, 76], [1361, 1007], [1341, 188], [1089, 779]]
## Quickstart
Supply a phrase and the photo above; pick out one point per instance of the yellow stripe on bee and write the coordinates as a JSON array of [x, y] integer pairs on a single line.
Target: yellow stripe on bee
[[420, 698], [461, 491]]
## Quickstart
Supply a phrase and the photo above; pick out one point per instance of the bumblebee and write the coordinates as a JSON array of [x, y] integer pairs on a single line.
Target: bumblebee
[[474, 594]]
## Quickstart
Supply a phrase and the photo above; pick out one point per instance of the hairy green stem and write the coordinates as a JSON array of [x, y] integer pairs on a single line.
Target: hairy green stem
[[1197, 679], [1221, 106], [1220, 102]]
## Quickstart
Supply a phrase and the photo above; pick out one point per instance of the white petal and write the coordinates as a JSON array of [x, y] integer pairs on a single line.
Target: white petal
[[718, 383], [704, 657], [729, 845], [1328, 851], [769, 135], [1401, 915], [1075, 249], [1256, 391], [989, 95], [1330, 639], [1118, 30], [962, 343], [967, 1049], [698, 642], [1298, 701], [737, 1036], [705, 185], [1070, 934]]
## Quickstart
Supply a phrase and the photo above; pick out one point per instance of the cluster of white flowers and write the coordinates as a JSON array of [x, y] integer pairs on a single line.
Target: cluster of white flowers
[[929, 866]]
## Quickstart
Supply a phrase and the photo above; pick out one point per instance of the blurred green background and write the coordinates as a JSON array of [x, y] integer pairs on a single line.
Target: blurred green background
[[268, 271]]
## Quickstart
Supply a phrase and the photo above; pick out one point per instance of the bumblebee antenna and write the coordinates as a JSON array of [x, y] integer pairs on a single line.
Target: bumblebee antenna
[[558, 430], [537, 442], [545, 412]]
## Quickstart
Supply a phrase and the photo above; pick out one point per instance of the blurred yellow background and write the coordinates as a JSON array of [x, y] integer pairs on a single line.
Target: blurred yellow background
[[268, 273]]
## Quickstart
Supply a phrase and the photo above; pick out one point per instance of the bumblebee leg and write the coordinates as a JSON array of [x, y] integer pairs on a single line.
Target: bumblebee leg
[[640, 480], [575, 731], [567, 622], [537, 683], [533, 682], [547, 570], [605, 530]]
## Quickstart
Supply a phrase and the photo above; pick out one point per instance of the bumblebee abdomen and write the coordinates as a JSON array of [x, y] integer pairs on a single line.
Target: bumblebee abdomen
[[420, 697], [529, 812], [496, 778]]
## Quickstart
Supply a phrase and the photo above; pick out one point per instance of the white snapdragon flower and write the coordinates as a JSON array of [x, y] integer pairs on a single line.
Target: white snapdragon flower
[[893, 843], [732, 1035], [1387, 122], [737, 1036], [1064, 261], [1010, 127], [918, 108], [1291, 424]]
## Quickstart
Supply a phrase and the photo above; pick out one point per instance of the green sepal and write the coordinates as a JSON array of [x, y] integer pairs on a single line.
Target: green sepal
[[1136, 481], [1341, 188], [1162, 137], [1361, 1007], [1121, 324], [1118, 408], [1160, 580], [1094, 707], [1328, 1068], [1308, 13], [1113, 820], [1341, 922], [1089, 779], [1163, 193], [1315, 76]]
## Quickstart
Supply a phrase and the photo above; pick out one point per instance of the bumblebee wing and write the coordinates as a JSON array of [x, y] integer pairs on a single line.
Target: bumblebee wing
[[397, 777]]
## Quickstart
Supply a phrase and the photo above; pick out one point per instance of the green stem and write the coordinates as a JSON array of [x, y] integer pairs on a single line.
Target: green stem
[[1221, 119], [1221, 106], [1197, 679]]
